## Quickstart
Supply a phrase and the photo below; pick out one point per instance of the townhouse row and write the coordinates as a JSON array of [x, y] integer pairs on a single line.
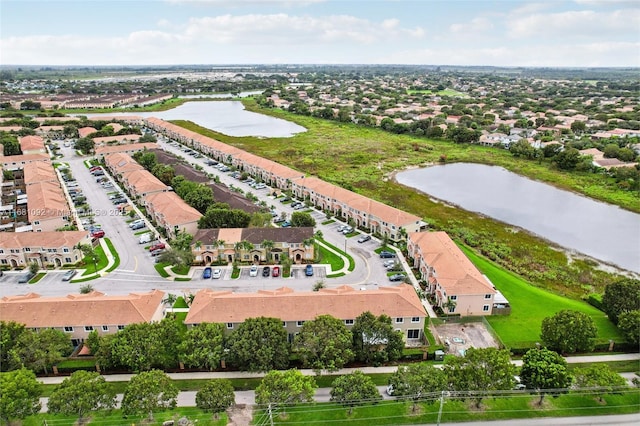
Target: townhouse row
[[366, 213], [163, 206], [80, 314]]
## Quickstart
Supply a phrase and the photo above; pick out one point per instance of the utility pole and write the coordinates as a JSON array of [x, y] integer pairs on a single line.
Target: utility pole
[[270, 415], [440, 409]]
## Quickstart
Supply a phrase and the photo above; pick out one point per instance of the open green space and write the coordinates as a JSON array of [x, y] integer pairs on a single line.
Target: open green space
[[180, 303], [516, 405], [101, 262], [114, 253], [530, 305], [114, 417], [330, 258], [181, 269], [352, 264], [160, 269]]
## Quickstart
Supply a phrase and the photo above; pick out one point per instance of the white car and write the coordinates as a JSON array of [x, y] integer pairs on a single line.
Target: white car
[[217, 273], [253, 272]]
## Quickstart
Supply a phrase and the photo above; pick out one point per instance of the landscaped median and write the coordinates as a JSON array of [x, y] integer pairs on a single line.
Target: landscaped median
[[107, 260]]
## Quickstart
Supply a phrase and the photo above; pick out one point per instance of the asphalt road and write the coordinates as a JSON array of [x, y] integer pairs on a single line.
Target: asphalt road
[[136, 272]]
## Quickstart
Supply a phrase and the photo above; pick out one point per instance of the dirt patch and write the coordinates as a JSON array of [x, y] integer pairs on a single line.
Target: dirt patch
[[461, 337], [240, 415]]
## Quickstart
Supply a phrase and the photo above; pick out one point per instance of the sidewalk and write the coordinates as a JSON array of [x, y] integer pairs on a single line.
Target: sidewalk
[[204, 375]]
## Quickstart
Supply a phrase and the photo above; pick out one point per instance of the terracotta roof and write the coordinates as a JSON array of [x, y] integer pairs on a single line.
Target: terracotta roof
[[132, 147], [30, 143], [94, 308], [121, 163], [45, 200], [342, 302], [117, 138], [172, 208], [39, 172], [25, 158], [52, 239], [143, 181], [253, 235], [83, 132], [454, 270]]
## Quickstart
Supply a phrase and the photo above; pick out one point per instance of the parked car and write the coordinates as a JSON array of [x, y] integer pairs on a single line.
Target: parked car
[[94, 168], [159, 246], [69, 274], [138, 226], [308, 271], [387, 254], [388, 263], [135, 223], [286, 224], [397, 277], [206, 274], [158, 252], [144, 238], [364, 238], [279, 220], [211, 162], [217, 274], [253, 272], [261, 186], [347, 230], [276, 271], [119, 200], [266, 271], [26, 277], [98, 233], [285, 199]]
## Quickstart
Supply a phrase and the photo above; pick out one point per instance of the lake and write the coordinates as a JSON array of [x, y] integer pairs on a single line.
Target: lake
[[602, 231], [228, 117]]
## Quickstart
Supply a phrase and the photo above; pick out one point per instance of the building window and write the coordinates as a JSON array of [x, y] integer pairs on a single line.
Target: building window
[[67, 260], [65, 250], [105, 328], [485, 308], [399, 320], [284, 323], [68, 329], [88, 328], [27, 249], [452, 309], [487, 296], [299, 323], [413, 334], [121, 327], [348, 322], [229, 325], [415, 319], [453, 297]]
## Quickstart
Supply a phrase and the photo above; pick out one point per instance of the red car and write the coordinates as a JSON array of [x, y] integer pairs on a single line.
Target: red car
[[159, 246], [97, 234], [276, 271]]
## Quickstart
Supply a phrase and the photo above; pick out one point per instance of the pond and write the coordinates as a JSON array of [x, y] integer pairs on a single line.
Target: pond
[[602, 231], [228, 117]]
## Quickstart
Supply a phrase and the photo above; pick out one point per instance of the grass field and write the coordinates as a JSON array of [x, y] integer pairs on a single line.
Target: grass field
[[329, 257], [517, 405], [530, 305]]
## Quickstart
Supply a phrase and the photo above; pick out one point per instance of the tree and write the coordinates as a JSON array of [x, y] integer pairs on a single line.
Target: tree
[[224, 218], [215, 396], [578, 127], [202, 346], [324, 343], [522, 148], [146, 159], [182, 241], [10, 332], [147, 392], [267, 245], [200, 198], [39, 351], [416, 381], [567, 159], [260, 344], [569, 331], [629, 324], [80, 393], [354, 389], [599, 376], [89, 254], [143, 346], [374, 339], [19, 394], [285, 388], [179, 258], [621, 296], [164, 172], [544, 370], [85, 145], [302, 219], [480, 370]]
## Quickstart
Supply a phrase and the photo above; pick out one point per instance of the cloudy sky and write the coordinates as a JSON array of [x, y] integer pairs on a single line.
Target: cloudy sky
[[444, 32]]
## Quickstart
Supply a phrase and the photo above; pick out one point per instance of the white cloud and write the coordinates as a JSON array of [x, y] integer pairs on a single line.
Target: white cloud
[[617, 3], [241, 3], [476, 25], [571, 24]]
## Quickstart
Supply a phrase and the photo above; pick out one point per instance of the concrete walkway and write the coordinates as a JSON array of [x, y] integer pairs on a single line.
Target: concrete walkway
[[367, 370]]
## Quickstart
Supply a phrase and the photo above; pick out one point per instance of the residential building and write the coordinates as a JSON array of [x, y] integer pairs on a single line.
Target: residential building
[[16, 162], [47, 208], [171, 213], [32, 145], [450, 275], [116, 139], [212, 245], [19, 249], [400, 303], [141, 183], [130, 148], [80, 314], [121, 163]]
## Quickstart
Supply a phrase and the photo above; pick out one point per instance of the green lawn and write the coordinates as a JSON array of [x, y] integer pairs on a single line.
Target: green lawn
[[160, 269], [100, 264], [180, 303], [352, 264], [37, 278], [331, 258], [530, 305]]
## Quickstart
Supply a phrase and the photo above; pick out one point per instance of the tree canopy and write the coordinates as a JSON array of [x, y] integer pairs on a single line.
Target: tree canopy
[[202, 346], [374, 339], [224, 218], [569, 331], [324, 343], [260, 344], [600, 376], [285, 387], [417, 380], [621, 296], [543, 370], [216, 396], [354, 389], [80, 393], [147, 392], [302, 219], [19, 394]]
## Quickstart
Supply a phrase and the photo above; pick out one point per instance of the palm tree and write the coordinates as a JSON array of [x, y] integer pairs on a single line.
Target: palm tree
[[218, 244], [449, 305], [88, 251], [267, 245]]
